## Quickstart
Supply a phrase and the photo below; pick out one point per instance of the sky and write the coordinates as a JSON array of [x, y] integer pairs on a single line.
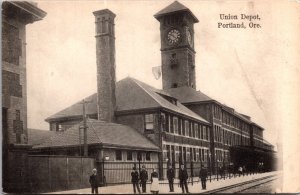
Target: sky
[[242, 68]]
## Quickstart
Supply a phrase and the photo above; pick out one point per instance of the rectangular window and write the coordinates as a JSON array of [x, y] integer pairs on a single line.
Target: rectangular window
[[129, 155], [200, 154], [148, 156], [191, 129], [196, 130], [179, 126], [175, 125], [163, 121], [204, 132], [170, 124], [183, 127], [194, 154], [149, 121], [201, 132], [118, 155], [187, 128]]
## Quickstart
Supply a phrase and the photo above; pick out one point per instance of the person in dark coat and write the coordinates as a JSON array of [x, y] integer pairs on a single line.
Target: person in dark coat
[[135, 180], [94, 181], [171, 176], [144, 178], [203, 176], [183, 176]]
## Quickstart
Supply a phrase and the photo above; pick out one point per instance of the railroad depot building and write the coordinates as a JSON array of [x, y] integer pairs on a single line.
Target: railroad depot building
[[175, 124]]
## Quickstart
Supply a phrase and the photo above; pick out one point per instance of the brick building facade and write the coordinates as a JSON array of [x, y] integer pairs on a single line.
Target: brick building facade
[[15, 17]]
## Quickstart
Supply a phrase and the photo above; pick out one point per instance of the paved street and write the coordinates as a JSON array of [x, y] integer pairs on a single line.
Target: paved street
[[196, 188]]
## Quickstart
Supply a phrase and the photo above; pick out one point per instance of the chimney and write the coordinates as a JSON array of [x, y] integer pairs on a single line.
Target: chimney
[[105, 54]]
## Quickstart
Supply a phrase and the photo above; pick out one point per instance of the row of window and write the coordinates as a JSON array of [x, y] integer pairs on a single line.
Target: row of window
[[176, 153], [257, 131], [230, 120], [177, 125], [229, 138], [132, 156], [235, 122], [258, 143], [221, 155]]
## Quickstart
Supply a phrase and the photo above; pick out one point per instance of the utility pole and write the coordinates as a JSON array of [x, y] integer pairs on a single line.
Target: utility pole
[[85, 146]]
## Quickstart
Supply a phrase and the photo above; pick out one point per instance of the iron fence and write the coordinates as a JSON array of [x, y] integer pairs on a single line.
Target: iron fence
[[120, 172]]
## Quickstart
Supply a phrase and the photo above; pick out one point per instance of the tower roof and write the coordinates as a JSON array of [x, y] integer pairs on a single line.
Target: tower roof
[[175, 7]]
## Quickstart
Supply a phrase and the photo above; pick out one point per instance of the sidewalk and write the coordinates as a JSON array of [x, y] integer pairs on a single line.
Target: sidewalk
[[164, 188]]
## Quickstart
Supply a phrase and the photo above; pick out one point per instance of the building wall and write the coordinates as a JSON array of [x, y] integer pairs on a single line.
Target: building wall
[[14, 93], [137, 121], [204, 110]]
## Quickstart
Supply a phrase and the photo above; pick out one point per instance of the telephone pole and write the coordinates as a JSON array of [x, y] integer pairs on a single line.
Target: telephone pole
[[85, 146]]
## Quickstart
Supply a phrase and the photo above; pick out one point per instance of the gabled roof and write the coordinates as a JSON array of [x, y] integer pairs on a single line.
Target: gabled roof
[[188, 95], [99, 132], [131, 95], [75, 110], [36, 136], [175, 7]]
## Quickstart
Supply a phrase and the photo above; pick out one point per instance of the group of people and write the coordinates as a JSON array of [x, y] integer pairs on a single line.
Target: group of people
[[142, 178], [183, 179]]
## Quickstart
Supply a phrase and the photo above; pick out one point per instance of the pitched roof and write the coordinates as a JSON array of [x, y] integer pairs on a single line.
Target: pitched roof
[[75, 110], [131, 94], [99, 132], [173, 8], [188, 95], [36, 136]]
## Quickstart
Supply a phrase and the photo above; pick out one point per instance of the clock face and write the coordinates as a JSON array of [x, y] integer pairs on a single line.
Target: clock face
[[173, 36], [189, 38]]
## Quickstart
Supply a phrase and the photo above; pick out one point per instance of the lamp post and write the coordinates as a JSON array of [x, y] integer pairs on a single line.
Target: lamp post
[[167, 163], [192, 171], [218, 170], [209, 166], [106, 158]]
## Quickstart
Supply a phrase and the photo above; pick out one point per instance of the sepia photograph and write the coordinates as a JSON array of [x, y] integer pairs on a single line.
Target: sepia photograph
[[150, 97]]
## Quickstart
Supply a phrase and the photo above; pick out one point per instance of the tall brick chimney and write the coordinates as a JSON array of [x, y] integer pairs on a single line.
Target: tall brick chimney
[[105, 52]]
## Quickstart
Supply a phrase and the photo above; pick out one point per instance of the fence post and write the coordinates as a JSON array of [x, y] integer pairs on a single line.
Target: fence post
[[49, 172], [67, 166]]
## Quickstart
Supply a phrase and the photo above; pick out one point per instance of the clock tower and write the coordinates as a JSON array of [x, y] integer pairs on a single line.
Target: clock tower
[[177, 46]]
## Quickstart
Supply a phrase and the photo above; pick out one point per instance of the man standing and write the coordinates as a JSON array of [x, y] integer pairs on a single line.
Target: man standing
[[94, 182], [171, 175], [144, 178], [203, 176], [135, 180], [183, 176]]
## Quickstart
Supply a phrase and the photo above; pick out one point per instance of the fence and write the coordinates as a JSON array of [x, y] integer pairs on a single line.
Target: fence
[[120, 172], [54, 173]]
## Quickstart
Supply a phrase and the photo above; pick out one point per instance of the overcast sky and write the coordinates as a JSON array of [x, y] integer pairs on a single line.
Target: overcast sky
[[243, 68]]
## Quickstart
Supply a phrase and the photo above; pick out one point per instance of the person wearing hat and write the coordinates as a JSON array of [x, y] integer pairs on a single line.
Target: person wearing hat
[[135, 180], [94, 182], [144, 178], [203, 177], [183, 176], [171, 176]]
